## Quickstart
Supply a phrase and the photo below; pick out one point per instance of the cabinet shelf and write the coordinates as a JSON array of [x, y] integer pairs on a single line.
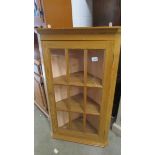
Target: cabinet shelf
[[92, 107], [77, 124], [93, 81], [76, 79], [76, 105]]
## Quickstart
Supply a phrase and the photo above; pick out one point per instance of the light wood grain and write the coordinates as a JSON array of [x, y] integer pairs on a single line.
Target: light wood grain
[[76, 105], [76, 79], [95, 81], [77, 124], [58, 13]]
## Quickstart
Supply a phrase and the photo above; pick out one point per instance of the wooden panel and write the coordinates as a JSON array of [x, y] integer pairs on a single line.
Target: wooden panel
[[78, 44], [105, 11], [58, 13], [80, 140], [108, 55], [87, 135], [91, 31], [112, 82]]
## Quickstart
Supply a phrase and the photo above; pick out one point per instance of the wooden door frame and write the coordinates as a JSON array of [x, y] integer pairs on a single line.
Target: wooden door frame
[[107, 46]]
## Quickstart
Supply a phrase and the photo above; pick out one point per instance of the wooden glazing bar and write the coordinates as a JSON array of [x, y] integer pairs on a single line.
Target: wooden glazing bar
[[85, 66], [68, 106], [84, 114], [67, 65], [68, 87], [85, 87]]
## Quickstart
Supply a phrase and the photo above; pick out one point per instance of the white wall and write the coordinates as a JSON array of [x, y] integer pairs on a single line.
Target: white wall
[[82, 11], [117, 125]]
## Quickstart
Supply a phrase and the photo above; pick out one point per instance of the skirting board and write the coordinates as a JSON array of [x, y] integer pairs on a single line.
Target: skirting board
[[116, 129]]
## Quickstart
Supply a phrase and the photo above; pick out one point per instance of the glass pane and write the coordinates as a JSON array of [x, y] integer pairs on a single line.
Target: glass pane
[[58, 63], [63, 119], [95, 67], [92, 124], [94, 99], [76, 99], [61, 99], [77, 121], [76, 67]]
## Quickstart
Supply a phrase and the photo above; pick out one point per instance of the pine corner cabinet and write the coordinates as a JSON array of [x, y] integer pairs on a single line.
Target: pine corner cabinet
[[79, 70]]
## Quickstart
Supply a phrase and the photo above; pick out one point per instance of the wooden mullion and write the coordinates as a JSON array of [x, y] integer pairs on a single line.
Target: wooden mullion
[[68, 106], [68, 87], [84, 114], [85, 66], [85, 87], [67, 66]]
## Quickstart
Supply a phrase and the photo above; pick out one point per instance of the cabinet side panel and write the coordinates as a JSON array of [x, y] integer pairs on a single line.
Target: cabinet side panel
[[116, 53], [108, 58], [48, 81]]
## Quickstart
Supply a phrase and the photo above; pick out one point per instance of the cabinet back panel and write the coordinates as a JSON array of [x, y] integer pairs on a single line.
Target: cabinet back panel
[[58, 62], [95, 94], [95, 63], [62, 118]]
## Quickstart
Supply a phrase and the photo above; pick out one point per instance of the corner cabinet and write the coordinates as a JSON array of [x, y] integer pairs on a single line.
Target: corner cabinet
[[80, 69]]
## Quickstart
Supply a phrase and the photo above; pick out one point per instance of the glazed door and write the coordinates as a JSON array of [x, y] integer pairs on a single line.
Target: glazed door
[[77, 74]]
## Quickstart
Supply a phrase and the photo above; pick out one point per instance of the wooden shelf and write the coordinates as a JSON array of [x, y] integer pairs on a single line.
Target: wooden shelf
[[77, 124], [76, 79], [62, 105], [60, 80], [92, 107], [93, 81], [90, 128], [76, 105]]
